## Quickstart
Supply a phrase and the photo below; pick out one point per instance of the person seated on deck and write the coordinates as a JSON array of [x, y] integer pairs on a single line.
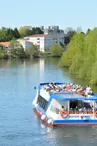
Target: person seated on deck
[[91, 92], [46, 87], [63, 112], [95, 106], [62, 109], [68, 87], [74, 90], [88, 90], [64, 86], [81, 91]]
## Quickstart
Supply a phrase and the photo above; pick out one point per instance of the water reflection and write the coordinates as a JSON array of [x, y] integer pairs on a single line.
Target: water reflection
[[69, 136], [18, 124]]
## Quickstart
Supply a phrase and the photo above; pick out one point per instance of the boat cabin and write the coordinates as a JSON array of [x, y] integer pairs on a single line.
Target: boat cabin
[[55, 104]]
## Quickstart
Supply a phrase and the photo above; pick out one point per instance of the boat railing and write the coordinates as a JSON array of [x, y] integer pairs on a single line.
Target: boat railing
[[80, 112]]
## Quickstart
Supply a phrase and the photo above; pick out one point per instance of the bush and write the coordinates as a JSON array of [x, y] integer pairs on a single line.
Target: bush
[[56, 50]]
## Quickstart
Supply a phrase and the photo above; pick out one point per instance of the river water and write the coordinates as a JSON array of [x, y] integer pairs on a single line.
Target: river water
[[19, 125]]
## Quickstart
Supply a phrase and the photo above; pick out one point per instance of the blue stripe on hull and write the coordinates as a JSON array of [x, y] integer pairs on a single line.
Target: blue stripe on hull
[[75, 124], [76, 121], [84, 122], [71, 122]]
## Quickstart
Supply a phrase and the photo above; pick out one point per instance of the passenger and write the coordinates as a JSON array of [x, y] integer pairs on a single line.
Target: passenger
[[64, 113], [64, 86], [91, 92], [74, 90], [46, 87], [88, 89], [68, 87], [62, 109], [95, 106], [81, 91]]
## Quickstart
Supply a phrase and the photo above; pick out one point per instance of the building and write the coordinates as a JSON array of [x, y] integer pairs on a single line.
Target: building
[[55, 31], [42, 41], [4, 45], [25, 43]]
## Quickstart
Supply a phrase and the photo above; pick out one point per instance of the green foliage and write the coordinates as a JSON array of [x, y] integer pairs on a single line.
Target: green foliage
[[3, 54], [6, 34], [75, 47], [25, 31], [56, 50], [77, 63], [32, 51], [28, 30], [16, 49], [16, 33], [36, 30], [81, 55], [69, 34], [93, 79], [18, 53]]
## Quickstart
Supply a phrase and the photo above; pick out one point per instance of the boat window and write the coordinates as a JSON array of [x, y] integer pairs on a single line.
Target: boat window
[[56, 105], [54, 109], [79, 104], [42, 102]]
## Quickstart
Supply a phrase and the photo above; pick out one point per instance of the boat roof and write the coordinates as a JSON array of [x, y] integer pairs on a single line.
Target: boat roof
[[67, 95], [72, 96]]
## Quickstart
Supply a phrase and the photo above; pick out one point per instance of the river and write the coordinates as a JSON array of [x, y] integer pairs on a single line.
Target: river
[[19, 125]]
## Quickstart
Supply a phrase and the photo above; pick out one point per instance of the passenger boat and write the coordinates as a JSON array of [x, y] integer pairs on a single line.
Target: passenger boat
[[61, 104]]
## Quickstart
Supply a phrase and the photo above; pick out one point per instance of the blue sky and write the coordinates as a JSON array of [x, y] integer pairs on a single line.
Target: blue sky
[[63, 13]]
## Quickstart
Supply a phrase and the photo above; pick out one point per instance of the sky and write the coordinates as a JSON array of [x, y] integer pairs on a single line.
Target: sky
[[36, 13]]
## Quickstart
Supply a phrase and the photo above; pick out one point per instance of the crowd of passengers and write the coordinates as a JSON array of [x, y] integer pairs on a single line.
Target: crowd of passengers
[[78, 89]]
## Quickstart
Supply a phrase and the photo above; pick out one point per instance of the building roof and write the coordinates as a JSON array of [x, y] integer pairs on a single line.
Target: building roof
[[24, 40], [5, 43], [43, 35], [28, 41]]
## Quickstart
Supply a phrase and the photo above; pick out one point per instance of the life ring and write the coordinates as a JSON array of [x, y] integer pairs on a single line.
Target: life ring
[[95, 114], [64, 114]]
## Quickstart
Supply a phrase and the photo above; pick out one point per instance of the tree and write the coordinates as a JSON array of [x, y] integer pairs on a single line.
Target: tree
[[3, 54], [75, 47], [16, 49], [88, 31], [16, 33], [25, 31], [6, 34], [56, 50], [70, 32], [36, 30], [94, 75], [32, 51], [3, 34], [81, 55]]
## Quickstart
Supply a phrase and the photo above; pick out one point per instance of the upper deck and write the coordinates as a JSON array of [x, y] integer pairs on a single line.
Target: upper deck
[[61, 91]]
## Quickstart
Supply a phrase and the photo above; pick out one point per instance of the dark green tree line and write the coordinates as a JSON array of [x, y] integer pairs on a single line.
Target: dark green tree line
[[7, 34]]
